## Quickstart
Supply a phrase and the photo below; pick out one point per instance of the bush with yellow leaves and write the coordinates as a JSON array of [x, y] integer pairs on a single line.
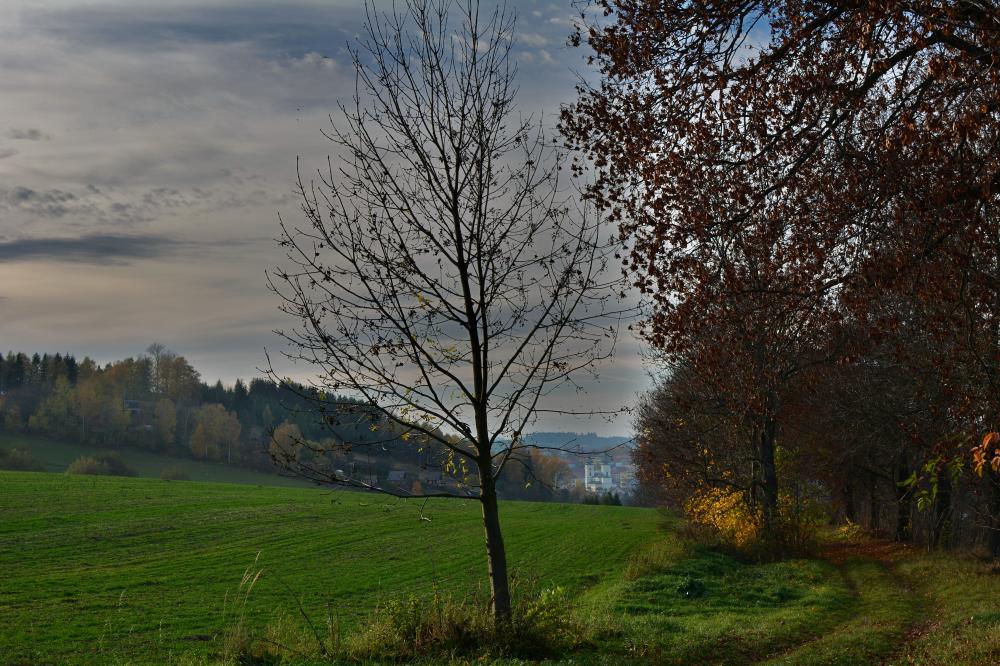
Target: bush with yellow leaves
[[726, 513]]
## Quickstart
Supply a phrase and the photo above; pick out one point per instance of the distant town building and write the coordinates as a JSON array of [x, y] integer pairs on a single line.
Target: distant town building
[[625, 477], [597, 477]]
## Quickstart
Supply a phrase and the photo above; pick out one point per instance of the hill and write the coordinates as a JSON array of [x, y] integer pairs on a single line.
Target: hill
[[105, 569], [55, 456], [576, 441], [112, 570]]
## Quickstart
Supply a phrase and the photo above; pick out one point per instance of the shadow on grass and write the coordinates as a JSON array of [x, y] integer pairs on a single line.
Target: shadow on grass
[[705, 606]]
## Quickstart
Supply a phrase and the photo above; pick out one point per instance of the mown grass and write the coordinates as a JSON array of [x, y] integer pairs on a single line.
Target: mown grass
[[110, 570], [56, 456], [105, 570]]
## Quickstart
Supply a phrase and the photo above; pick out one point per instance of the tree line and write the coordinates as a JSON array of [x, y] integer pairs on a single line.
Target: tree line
[[807, 193], [157, 402]]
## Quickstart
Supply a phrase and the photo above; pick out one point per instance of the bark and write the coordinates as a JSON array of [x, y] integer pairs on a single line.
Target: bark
[[496, 554], [994, 521], [904, 530], [874, 507], [769, 475]]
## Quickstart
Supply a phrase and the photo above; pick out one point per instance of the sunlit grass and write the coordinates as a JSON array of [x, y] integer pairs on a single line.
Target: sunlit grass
[[99, 567], [112, 570]]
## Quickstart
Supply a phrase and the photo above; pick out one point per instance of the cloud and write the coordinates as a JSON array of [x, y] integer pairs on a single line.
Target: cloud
[[51, 203], [91, 249], [28, 134], [533, 39], [7, 152], [292, 28], [90, 205]]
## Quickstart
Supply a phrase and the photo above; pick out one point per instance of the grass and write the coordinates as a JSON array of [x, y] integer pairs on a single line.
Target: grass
[[881, 612], [962, 622], [114, 570], [143, 571], [56, 456], [863, 602], [708, 607]]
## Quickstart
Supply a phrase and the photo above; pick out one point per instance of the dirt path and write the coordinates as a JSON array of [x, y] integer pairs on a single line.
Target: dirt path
[[888, 613], [881, 550]]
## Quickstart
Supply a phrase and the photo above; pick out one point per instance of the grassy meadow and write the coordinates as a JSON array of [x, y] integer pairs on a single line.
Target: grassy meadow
[[101, 568], [144, 571]]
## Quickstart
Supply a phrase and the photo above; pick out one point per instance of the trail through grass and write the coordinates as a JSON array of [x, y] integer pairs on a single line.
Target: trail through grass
[[862, 602], [708, 607]]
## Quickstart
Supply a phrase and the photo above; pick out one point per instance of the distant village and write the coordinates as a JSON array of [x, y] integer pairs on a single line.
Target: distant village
[[587, 467]]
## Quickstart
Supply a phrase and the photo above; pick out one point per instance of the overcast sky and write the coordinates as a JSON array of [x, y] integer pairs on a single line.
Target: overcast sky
[[147, 148]]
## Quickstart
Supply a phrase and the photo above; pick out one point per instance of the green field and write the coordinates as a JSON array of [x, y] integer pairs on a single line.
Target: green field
[[98, 568], [110, 570], [55, 456]]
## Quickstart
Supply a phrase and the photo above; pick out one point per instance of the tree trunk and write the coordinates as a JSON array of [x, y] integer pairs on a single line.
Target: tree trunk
[[496, 554], [904, 530], [942, 514], [874, 508], [849, 514], [769, 475], [994, 521]]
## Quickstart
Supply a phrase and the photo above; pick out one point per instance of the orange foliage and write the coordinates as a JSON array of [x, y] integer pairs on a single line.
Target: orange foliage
[[981, 454]]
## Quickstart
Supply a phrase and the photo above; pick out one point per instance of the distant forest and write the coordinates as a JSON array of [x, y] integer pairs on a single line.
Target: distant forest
[[158, 402]]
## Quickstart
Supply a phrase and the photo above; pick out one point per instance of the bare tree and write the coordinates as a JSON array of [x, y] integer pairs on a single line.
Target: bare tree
[[446, 277]]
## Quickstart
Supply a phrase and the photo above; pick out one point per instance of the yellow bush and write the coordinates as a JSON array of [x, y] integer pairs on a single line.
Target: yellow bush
[[725, 511]]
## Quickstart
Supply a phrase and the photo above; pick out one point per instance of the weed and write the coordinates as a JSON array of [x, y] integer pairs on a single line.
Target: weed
[[18, 460]]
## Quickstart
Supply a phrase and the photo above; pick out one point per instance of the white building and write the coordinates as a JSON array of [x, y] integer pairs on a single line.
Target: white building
[[597, 477]]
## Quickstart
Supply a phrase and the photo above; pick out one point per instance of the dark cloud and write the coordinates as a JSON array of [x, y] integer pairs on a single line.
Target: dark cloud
[[91, 249], [28, 134], [289, 29], [93, 204], [20, 195], [51, 203], [7, 152]]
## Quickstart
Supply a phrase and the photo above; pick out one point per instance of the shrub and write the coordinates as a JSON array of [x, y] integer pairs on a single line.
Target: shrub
[[726, 516], [414, 629], [102, 464], [18, 460], [174, 473], [725, 512]]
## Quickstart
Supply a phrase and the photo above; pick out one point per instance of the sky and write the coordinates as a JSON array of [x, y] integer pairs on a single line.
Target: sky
[[147, 148]]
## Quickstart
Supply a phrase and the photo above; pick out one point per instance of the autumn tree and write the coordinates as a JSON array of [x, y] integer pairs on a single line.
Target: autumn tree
[[57, 413], [838, 151], [166, 422], [444, 276], [216, 432]]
